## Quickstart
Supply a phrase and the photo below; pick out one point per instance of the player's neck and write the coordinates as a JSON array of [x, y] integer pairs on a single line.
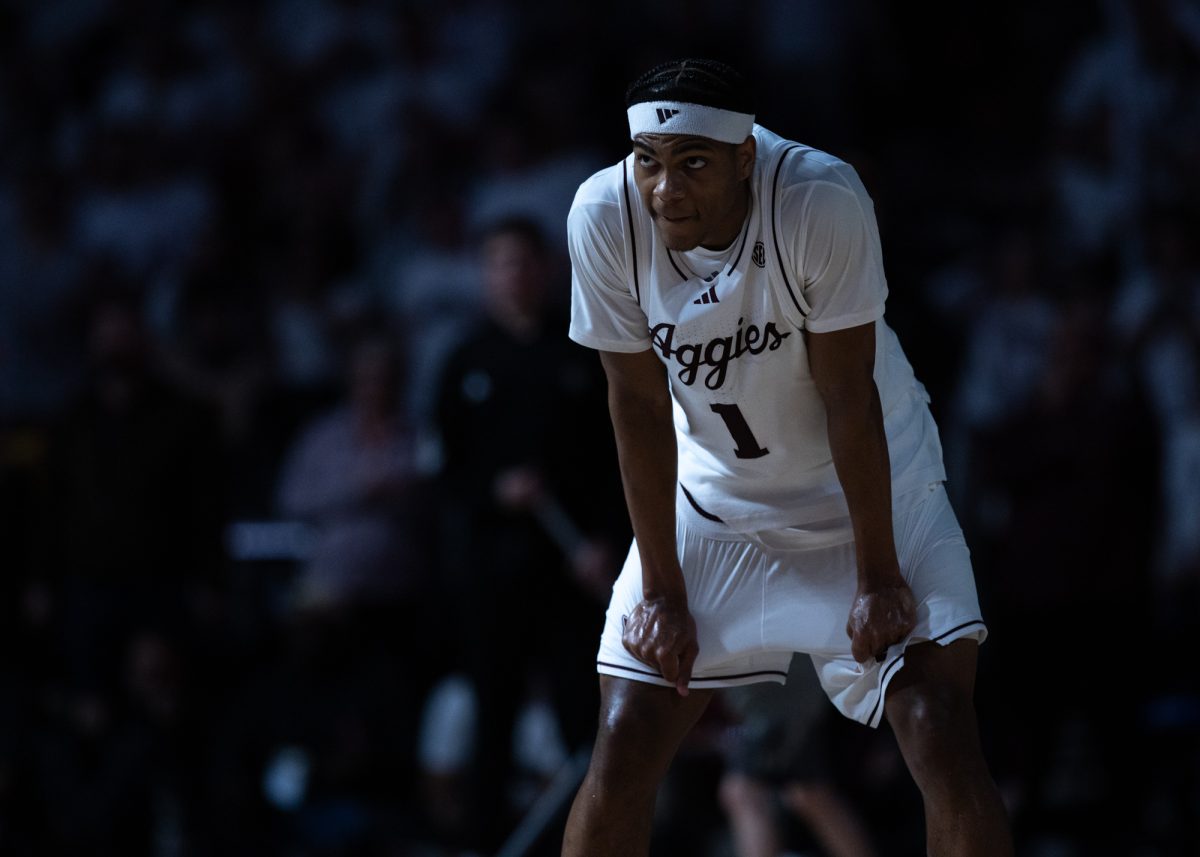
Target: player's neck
[[737, 220]]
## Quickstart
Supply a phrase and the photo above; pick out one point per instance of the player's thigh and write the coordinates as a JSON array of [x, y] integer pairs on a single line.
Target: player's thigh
[[641, 726], [949, 668]]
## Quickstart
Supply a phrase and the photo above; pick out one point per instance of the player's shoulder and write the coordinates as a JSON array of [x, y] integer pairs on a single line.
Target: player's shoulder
[[602, 188], [596, 209], [787, 165]]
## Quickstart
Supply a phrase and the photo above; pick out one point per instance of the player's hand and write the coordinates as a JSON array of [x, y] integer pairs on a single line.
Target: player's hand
[[661, 633], [880, 616]]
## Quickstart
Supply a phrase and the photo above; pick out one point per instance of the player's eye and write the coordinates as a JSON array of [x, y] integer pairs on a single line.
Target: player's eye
[[644, 160], [695, 163]]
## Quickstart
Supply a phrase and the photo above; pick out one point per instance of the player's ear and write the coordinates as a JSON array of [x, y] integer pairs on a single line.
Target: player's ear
[[743, 157]]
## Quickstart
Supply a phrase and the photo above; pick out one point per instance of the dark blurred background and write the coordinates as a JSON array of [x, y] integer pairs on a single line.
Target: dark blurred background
[[308, 506]]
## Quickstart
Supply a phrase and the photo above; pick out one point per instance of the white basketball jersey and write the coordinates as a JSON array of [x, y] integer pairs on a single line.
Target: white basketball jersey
[[731, 327]]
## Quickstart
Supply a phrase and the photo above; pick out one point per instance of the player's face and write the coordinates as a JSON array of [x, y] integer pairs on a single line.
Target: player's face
[[695, 188]]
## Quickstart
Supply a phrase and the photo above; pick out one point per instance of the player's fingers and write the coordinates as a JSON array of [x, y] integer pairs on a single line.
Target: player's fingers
[[907, 610], [640, 655], [668, 665], [635, 644], [629, 637], [904, 620], [857, 649], [686, 661], [860, 647], [899, 631], [901, 627]]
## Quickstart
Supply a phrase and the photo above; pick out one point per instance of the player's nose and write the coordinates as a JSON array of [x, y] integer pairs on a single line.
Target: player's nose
[[669, 186]]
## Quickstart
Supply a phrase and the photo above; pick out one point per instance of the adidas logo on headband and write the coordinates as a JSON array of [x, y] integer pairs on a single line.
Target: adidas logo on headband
[[726, 126]]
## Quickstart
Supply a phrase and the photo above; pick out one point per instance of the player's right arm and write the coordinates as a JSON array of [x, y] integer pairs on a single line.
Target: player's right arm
[[660, 632], [606, 315]]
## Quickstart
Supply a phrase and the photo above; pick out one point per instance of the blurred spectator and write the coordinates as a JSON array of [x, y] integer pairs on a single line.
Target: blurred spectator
[[132, 531], [352, 475], [779, 764], [809, 40], [218, 352], [267, 175], [38, 276], [164, 704], [94, 776], [364, 593], [312, 754], [1064, 560], [434, 282], [1128, 114], [527, 552], [1007, 346], [1157, 317], [524, 174]]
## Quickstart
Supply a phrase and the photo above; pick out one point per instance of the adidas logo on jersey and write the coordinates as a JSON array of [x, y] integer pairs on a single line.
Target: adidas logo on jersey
[[665, 113], [709, 297]]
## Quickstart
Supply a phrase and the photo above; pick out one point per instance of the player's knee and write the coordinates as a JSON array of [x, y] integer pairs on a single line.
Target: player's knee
[[623, 725], [932, 722], [629, 741]]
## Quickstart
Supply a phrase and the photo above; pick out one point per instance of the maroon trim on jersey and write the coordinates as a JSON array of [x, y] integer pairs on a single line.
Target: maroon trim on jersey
[[637, 290], [775, 230], [745, 238], [700, 509], [732, 267], [684, 277]]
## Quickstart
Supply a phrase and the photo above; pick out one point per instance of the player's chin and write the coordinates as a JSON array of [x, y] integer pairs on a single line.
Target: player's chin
[[679, 236]]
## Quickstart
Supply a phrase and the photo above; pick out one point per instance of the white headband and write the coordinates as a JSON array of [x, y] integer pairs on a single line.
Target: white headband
[[679, 117]]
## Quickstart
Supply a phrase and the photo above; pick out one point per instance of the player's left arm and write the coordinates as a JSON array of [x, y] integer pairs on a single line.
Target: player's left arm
[[842, 363]]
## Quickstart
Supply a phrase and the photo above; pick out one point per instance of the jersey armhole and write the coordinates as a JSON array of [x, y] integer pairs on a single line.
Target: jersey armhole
[[783, 260], [631, 234]]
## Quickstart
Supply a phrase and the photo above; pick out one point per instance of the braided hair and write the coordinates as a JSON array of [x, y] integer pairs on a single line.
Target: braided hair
[[694, 81]]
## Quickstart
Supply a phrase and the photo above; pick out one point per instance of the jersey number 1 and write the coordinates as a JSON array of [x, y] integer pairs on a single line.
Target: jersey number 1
[[745, 445]]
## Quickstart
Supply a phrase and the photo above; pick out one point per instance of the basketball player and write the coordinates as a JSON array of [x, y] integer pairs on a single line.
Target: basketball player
[[782, 471]]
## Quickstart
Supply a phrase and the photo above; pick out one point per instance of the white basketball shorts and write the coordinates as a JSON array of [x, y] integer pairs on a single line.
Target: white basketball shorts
[[757, 598]]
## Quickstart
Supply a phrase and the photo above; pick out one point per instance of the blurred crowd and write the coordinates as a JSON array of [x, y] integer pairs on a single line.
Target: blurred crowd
[[308, 508]]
